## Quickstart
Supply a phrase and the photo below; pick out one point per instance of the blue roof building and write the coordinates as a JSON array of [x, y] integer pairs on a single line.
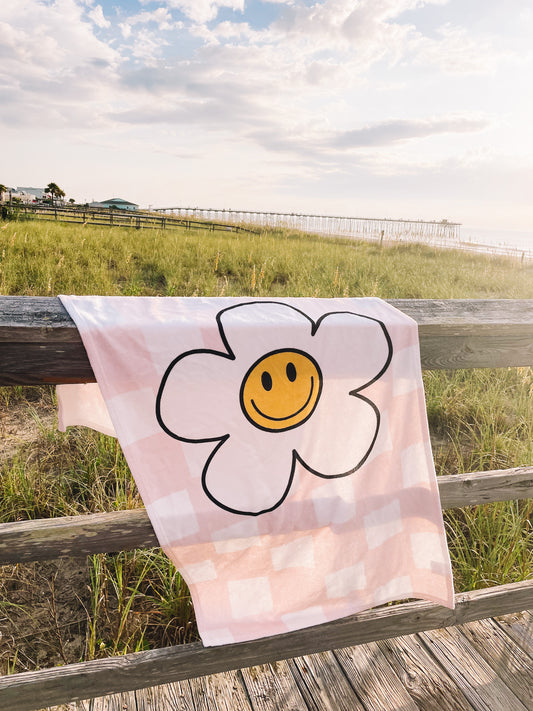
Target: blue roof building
[[116, 202]]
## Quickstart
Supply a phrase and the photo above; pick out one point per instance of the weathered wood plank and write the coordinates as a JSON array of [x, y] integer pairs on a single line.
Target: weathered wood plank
[[475, 488], [44, 364], [271, 687], [374, 678], [453, 333], [512, 665], [153, 667], [117, 702], [422, 676], [519, 626], [323, 684], [476, 679], [75, 536], [223, 692], [170, 697]]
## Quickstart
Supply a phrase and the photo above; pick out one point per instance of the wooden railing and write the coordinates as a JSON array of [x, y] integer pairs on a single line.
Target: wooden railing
[[40, 344], [114, 217]]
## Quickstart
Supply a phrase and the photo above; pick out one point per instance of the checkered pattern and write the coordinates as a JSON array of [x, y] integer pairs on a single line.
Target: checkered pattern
[[335, 546]]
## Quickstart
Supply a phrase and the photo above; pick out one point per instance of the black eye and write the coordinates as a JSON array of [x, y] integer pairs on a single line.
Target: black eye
[[266, 380], [291, 372]]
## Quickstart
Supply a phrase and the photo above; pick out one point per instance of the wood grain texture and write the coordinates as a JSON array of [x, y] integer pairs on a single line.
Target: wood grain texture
[[76, 536], [422, 676], [116, 702], [39, 342], [170, 697], [323, 684], [154, 667], [512, 665], [473, 488], [374, 679], [476, 679], [271, 687], [519, 626], [223, 692]]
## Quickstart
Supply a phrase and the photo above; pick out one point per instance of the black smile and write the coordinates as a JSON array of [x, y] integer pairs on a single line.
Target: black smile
[[288, 417]]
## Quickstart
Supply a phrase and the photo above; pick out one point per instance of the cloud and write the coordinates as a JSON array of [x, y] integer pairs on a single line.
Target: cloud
[[202, 10], [48, 39], [161, 17], [457, 51], [97, 16], [53, 64], [394, 131]]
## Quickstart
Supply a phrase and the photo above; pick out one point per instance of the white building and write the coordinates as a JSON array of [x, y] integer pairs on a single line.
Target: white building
[[38, 193]]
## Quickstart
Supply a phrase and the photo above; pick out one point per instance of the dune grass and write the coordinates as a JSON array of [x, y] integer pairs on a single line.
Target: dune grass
[[479, 420], [42, 258]]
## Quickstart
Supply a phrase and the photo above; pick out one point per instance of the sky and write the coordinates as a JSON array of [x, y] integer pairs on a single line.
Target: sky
[[413, 109]]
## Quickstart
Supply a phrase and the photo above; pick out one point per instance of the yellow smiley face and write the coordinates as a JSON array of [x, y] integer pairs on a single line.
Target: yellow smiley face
[[281, 390]]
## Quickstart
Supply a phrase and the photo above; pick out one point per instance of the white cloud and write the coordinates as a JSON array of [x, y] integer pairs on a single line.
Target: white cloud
[[456, 51], [393, 131], [97, 16], [48, 37], [52, 64], [202, 10], [147, 47], [161, 17]]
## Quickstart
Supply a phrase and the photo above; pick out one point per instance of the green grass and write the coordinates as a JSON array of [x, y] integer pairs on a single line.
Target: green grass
[[479, 420], [39, 258]]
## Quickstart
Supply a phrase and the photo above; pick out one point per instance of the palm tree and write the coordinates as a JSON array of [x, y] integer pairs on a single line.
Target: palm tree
[[54, 190]]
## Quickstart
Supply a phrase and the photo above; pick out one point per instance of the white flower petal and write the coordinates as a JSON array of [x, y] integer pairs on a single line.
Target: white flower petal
[[199, 397], [351, 348], [340, 435], [249, 477], [256, 328]]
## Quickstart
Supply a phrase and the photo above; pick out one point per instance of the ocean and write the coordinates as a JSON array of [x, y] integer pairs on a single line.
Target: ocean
[[515, 242]]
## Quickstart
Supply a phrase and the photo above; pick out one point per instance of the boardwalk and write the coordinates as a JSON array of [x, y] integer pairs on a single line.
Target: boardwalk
[[479, 666], [334, 226]]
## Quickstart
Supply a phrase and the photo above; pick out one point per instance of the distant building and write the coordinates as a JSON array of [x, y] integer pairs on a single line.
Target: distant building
[[20, 194], [119, 203], [37, 193]]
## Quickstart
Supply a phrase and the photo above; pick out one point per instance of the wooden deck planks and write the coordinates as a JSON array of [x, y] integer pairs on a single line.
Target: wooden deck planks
[[271, 687], [422, 676], [477, 666], [477, 680], [323, 684], [375, 681], [512, 665], [224, 692], [519, 626]]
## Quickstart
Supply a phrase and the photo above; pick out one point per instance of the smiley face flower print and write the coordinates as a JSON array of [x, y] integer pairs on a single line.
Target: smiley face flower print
[[284, 390]]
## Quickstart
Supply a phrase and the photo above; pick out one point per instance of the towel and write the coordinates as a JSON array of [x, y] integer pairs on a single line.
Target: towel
[[280, 447]]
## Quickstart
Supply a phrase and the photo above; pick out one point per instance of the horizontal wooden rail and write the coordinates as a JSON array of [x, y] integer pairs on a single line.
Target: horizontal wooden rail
[[29, 690], [39, 342], [116, 217], [76, 536]]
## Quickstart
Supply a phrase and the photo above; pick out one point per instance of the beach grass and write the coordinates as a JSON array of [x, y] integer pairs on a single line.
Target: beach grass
[[479, 420]]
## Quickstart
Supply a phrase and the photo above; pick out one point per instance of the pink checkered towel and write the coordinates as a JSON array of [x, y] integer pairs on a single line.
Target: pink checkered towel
[[281, 449]]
